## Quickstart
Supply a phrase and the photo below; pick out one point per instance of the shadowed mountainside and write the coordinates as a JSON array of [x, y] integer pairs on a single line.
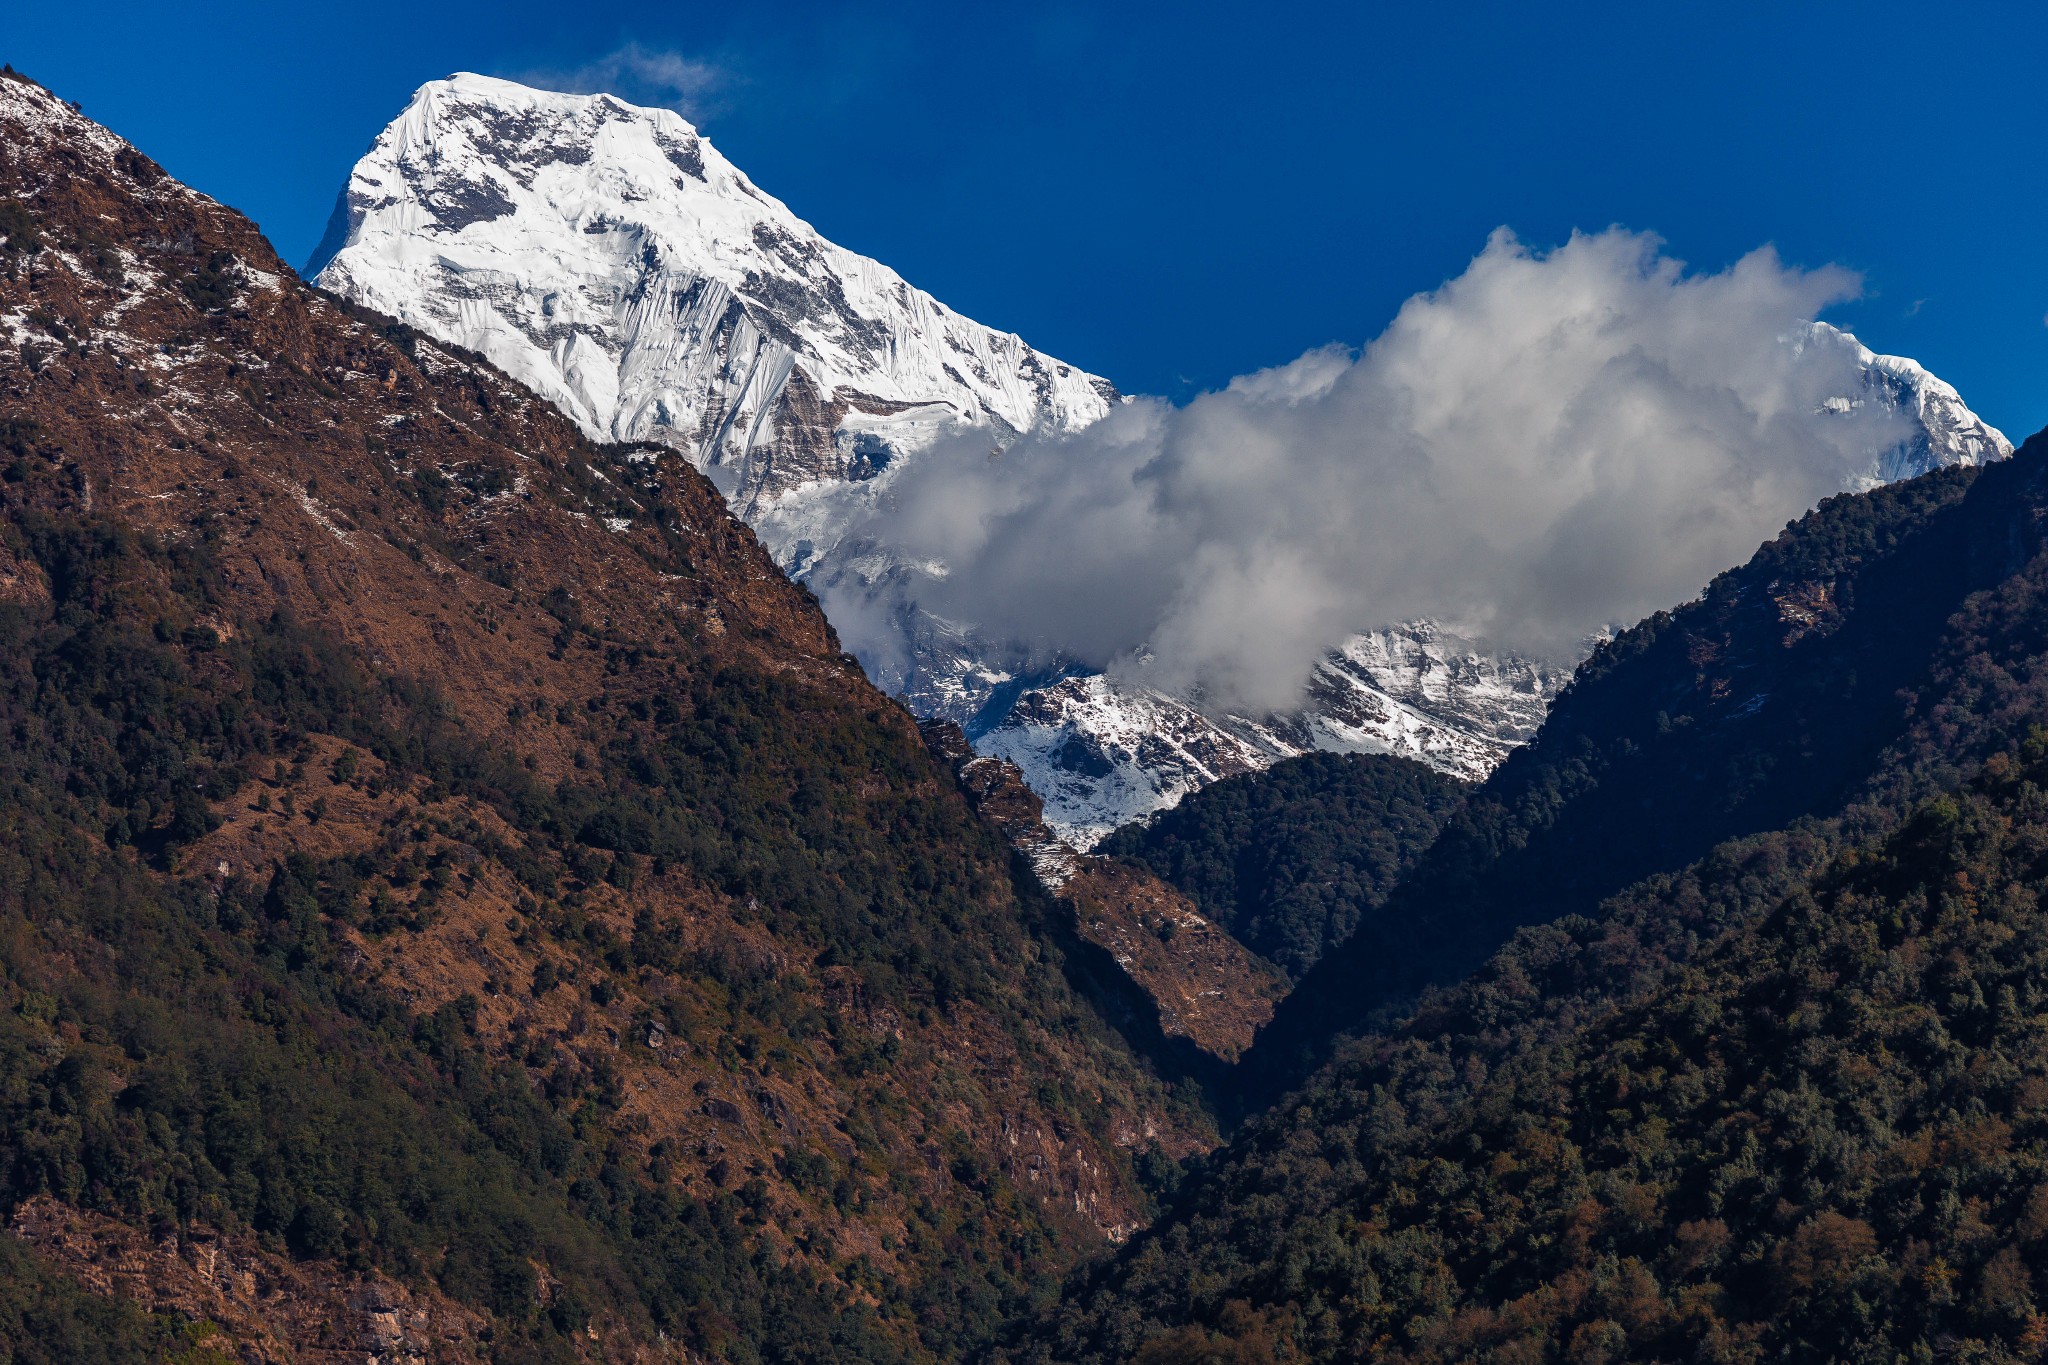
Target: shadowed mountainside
[[1782, 694], [1290, 860], [1782, 1100]]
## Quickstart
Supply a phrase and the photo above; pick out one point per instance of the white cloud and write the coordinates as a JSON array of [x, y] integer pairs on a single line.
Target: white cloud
[[1551, 442], [641, 75]]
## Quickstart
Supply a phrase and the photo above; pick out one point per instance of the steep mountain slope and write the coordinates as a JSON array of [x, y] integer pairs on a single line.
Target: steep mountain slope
[[1822, 1139], [612, 259], [1773, 698], [1290, 859], [453, 879], [1192, 994], [1780, 1101]]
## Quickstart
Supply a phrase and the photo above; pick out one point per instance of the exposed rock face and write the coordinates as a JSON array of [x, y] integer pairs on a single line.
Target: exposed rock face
[[271, 1309], [1208, 988]]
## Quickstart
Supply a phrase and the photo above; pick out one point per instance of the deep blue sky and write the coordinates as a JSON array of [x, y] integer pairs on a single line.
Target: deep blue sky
[[1173, 194]]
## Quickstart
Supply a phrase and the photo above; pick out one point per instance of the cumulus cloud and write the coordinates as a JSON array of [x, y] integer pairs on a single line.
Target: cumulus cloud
[[1549, 443], [641, 75]]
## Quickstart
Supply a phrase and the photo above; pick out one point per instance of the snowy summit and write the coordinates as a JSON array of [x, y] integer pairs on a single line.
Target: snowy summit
[[612, 259]]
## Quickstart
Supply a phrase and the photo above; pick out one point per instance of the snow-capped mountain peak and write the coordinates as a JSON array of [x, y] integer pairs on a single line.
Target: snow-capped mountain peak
[[1944, 430], [614, 260]]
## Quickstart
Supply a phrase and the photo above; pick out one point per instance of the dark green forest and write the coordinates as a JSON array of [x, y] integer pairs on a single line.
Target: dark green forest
[[1776, 697], [1290, 860], [1823, 1137]]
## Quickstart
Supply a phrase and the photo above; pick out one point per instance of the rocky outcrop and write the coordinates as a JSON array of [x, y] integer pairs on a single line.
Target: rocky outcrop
[[270, 1309], [1204, 986]]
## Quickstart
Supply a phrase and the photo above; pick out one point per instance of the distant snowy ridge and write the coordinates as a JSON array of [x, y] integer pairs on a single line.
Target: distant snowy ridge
[[612, 259], [1102, 751], [1945, 431]]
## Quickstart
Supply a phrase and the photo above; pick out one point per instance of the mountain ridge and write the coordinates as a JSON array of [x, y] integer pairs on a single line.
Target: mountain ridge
[[667, 298], [1724, 1111], [1766, 701]]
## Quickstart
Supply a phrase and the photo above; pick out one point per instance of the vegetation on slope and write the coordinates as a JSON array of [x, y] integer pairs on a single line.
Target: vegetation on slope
[[1825, 1139], [1292, 859], [1783, 1103], [1774, 698], [196, 1048]]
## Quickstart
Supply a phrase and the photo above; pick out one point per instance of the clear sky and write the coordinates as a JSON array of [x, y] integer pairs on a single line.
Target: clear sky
[[1174, 194]]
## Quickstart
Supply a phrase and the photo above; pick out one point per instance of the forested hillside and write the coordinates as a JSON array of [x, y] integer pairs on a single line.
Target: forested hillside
[[1825, 1138], [1291, 859], [455, 896], [1781, 1102], [1783, 693]]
